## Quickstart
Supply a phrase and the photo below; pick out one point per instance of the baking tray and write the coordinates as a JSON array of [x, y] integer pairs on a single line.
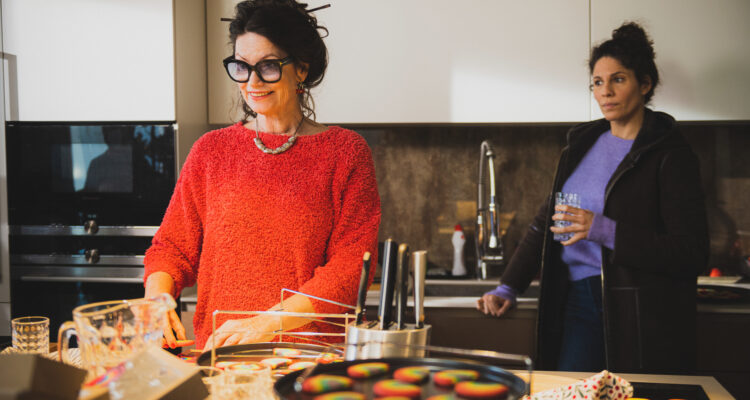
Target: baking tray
[[722, 294], [666, 391], [285, 387], [255, 352]]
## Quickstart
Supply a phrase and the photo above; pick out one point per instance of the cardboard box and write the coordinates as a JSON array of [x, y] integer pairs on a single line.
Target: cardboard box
[[32, 376]]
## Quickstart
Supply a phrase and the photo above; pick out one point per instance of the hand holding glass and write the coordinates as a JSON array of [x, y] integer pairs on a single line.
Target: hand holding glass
[[565, 199]]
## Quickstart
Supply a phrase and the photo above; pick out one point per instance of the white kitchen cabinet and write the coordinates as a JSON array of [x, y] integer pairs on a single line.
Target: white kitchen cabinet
[[84, 60], [702, 52], [435, 61]]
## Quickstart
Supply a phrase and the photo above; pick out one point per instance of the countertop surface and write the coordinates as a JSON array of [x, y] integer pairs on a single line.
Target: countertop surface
[[546, 380], [373, 297]]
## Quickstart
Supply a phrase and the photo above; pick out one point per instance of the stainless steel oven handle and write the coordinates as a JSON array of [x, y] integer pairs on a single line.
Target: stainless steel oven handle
[[89, 229], [80, 279]]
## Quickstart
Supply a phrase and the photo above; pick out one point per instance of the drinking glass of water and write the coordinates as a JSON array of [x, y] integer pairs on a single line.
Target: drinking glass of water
[[567, 199]]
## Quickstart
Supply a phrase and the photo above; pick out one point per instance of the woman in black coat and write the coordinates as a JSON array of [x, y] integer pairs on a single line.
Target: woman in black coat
[[620, 293]]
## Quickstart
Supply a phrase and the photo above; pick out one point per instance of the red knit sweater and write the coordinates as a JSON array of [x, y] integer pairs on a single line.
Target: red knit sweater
[[244, 224]]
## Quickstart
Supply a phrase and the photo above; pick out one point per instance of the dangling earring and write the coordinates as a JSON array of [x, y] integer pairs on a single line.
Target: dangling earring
[[300, 88]]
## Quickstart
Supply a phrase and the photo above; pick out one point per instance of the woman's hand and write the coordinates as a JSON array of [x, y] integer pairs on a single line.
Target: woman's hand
[[157, 283], [174, 330], [580, 222], [493, 305], [242, 331]]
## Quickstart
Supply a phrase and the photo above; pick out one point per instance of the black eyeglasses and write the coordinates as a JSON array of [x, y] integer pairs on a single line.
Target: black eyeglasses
[[268, 71]]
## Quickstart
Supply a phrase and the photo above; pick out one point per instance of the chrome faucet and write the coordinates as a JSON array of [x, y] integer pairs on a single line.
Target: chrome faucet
[[489, 247]]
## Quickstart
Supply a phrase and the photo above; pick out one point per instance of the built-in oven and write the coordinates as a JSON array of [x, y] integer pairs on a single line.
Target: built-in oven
[[84, 201]]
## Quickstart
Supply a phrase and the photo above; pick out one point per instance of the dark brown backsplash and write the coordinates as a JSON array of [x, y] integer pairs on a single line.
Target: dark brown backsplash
[[427, 178]]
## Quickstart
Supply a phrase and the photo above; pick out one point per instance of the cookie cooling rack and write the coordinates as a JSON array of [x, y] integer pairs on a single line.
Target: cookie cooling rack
[[311, 341]]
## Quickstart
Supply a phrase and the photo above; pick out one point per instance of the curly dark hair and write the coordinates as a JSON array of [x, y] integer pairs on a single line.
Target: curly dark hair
[[631, 46], [291, 28]]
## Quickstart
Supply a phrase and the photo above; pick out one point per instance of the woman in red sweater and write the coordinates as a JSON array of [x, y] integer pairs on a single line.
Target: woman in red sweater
[[274, 201]]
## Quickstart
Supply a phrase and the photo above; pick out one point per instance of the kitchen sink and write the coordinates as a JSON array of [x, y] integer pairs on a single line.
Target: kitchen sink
[[469, 288]]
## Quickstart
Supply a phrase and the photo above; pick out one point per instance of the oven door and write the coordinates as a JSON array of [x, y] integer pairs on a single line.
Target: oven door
[[53, 274], [54, 291], [66, 176]]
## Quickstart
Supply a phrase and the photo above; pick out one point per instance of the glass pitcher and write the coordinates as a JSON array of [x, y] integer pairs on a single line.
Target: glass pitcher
[[111, 332]]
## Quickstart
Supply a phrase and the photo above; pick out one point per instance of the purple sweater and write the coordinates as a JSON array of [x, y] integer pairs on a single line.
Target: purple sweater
[[589, 180]]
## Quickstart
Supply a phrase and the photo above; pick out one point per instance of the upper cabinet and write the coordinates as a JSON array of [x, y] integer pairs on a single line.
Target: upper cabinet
[[83, 60], [435, 61], [702, 52]]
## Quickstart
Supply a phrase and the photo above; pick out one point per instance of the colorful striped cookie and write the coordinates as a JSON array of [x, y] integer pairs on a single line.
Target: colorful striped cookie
[[327, 358], [441, 397], [481, 390], [412, 374], [367, 370], [326, 383], [301, 365], [450, 377], [276, 362], [392, 387], [341, 396], [226, 364], [286, 352], [245, 366]]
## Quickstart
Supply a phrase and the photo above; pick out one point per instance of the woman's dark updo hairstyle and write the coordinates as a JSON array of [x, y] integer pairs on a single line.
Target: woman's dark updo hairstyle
[[631, 46], [289, 26]]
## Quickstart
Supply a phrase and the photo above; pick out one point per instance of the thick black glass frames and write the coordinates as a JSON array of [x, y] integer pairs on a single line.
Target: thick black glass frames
[[268, 71]]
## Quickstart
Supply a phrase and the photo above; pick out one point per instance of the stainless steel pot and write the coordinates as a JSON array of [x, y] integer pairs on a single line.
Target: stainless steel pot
[[364, 343]]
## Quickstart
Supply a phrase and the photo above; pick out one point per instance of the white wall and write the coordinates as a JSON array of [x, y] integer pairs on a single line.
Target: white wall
[[477, 61], [436, 61], [89, 60], [702, 52]]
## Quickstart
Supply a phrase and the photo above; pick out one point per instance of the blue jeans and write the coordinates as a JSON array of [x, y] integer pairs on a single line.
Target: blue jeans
[[583, 328]]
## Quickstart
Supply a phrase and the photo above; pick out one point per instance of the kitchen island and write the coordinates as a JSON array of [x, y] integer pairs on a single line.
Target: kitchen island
[[721, 332], [722, 329], [546, 380]]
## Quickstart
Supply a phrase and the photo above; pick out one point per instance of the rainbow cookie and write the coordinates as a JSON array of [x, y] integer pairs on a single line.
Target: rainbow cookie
[[450, 377], [244, 366], [327, 358], [367, 370], [226, 364], [481, 390], [392, 387], [326, 383], [301, 365], [286, 352], [393, 398], [412, 374], [441, 397], [341, 396], [276, 362]]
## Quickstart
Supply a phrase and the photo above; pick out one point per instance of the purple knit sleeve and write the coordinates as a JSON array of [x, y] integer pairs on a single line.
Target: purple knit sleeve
[[506, 292], [602, 231]]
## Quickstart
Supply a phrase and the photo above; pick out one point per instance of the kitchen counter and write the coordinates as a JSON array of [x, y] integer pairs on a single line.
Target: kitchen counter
[[545, 380], [526, 303]]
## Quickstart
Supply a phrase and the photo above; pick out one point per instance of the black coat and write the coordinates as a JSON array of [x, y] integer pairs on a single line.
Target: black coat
[[661, 245]]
